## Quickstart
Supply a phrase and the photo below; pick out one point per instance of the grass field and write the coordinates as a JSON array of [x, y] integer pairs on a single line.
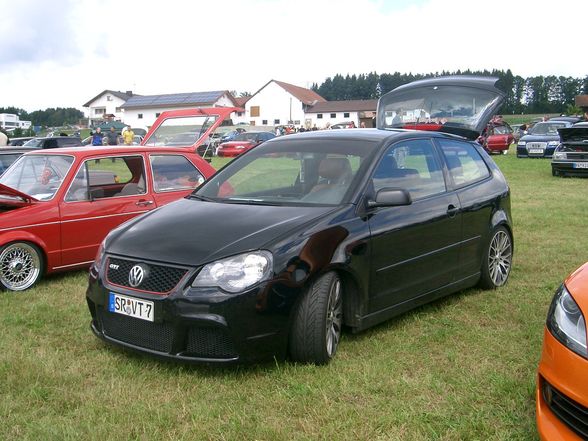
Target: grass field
[[462, 368]]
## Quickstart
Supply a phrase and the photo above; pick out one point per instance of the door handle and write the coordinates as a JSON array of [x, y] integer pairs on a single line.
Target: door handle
[[143, 203], [452, 210]]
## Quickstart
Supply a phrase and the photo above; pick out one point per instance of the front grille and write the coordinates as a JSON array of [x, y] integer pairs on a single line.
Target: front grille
[[574, 156], [209, 343], [159, 279], [142, 333], [573, 414]]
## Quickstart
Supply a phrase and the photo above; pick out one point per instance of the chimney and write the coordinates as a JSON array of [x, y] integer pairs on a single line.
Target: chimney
[[129, 92]]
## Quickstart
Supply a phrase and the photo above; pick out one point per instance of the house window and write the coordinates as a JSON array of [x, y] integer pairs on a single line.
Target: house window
[[117, 109], [264, 122], [276, 121], [319, 116], [140, 116], [254, 110], [157, 114], [239, 113], [333, 115], [346, 115], [99, 111], [108, 98]]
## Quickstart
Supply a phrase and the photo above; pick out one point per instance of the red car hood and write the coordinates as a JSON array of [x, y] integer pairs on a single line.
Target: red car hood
[[217, 115], [12, 197]]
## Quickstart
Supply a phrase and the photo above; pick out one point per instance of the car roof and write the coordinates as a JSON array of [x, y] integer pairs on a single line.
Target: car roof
[[374, 135], [17, 149], [56, 137]]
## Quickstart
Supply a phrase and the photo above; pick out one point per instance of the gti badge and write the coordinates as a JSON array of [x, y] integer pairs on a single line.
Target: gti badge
[[137, 274]]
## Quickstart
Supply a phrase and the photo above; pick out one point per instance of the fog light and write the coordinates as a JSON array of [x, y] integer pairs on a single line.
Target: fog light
[[547, 393]]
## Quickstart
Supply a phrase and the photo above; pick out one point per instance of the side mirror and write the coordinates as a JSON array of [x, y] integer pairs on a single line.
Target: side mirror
[[390, 197]]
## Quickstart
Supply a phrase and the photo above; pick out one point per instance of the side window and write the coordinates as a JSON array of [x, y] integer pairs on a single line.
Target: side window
[[413, 166], [174, 172], [108, 177], [465, 164]]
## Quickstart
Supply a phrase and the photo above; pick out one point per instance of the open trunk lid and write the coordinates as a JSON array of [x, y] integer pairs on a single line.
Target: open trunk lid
[[462, 105]]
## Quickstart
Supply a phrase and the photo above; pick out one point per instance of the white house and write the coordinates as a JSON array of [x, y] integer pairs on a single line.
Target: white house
[[328, 113], [142, 110], [10, 121], [278, 103], [106, 106]]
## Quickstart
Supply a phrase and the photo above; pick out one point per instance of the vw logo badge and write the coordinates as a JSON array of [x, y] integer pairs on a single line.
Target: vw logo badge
[[136, 275]]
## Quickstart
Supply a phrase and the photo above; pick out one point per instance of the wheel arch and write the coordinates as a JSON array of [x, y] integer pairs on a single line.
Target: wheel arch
[[11, 237]]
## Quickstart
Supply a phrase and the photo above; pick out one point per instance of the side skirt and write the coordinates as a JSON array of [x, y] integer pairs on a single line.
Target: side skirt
[[374, 318]]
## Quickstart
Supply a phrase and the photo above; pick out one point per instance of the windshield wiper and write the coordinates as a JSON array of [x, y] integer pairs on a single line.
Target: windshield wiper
[[249, 201], [201, 198]]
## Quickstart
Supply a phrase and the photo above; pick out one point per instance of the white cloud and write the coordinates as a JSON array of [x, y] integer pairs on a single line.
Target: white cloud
[[183, 46]]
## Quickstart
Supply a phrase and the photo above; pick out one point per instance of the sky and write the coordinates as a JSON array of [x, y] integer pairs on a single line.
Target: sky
[[63, 53]]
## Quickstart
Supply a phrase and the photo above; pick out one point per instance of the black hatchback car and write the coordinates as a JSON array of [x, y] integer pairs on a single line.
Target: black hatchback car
[[311, 232]]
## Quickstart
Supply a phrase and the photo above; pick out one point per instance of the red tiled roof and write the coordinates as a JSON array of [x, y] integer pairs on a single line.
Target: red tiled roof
[[306, 96]]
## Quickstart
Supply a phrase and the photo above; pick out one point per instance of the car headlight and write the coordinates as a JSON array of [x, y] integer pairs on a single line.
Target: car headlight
[[566, 322], [552, 143], [560, 155], [522, 143], [237, 273]]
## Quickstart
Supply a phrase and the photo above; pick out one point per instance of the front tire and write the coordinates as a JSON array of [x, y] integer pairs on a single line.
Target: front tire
[[316, 329], [497, 259], [21, 266]]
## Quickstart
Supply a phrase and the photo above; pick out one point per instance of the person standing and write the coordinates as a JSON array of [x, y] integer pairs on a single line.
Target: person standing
[[3, 138], [112, 137], [128, 136], [97, 137]]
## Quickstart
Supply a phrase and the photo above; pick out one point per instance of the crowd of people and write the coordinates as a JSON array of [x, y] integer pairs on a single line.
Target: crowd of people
[[112, 137]]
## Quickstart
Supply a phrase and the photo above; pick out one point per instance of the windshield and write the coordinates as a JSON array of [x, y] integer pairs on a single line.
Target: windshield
[[35, 142], [181, 131], [501, 130], [246, 136], [291, 173], [546, 128], [39, 176]]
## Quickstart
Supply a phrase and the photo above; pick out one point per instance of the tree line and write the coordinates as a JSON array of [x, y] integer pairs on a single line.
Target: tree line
[[52, 117], [538, 94]]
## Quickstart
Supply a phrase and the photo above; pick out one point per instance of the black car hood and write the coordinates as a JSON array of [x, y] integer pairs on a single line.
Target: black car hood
[[192, 232]]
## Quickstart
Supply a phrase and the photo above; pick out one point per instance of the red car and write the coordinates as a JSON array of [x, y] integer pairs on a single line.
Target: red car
[[243, 142], [498, 138], [59, 204]]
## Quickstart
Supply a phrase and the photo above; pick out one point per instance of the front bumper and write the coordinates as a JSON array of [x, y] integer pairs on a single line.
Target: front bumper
[[198, 325], [562, 392], [569, 168]]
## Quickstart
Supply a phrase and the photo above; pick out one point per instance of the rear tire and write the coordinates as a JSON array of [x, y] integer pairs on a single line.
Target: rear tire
[[316, 329], [21, 266], [497, 259]]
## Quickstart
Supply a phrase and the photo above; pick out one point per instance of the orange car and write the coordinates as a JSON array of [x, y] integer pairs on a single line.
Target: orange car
[[562, 381]]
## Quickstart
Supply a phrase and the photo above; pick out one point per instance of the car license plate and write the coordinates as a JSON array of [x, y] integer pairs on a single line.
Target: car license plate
[[131, 306], [536, 151], [580, 164]]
